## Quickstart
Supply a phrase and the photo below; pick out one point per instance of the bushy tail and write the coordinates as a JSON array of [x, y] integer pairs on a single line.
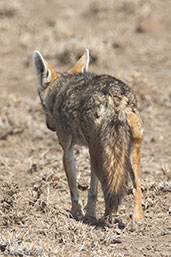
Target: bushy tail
[[115, 162]]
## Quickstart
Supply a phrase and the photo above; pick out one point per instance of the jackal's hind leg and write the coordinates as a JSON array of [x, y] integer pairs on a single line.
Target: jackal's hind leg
[[92, 196], [70, 169], [136, 156], [135, 123]]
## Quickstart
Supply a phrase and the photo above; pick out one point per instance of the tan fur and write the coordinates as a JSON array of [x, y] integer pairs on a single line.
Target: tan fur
[[79, 65], [54, 77], [100, 112], [135, 123]]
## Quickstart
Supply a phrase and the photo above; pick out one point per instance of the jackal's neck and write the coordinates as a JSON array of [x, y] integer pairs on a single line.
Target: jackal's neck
[[60, 86], [76, 77]]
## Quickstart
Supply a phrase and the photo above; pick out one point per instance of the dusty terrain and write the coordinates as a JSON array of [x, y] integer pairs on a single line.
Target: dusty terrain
[[128, 39]]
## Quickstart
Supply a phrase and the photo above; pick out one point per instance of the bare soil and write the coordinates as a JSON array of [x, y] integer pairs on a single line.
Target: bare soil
[[128, 39]]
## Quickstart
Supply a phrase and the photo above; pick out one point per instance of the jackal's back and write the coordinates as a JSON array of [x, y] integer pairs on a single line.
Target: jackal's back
[[85, 101]]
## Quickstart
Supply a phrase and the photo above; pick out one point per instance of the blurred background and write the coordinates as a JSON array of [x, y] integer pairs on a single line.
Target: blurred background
[[124, 37]]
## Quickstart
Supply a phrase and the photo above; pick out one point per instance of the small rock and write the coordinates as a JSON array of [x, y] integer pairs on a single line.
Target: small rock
[[116, 241]]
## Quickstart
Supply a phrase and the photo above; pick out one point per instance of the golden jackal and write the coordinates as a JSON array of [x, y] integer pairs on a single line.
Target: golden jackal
[[100, 112]]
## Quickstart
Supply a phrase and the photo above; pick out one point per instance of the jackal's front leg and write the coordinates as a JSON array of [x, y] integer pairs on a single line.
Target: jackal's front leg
[[70, 169]]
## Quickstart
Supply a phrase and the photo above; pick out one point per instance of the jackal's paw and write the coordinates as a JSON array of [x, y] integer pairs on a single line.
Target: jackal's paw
[[90, 215], [77, 211], [90, 212], [137, 225], [105, 221], [90, 220]]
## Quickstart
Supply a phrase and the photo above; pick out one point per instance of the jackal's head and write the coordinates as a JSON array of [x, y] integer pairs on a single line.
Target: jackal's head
[[47, 76]]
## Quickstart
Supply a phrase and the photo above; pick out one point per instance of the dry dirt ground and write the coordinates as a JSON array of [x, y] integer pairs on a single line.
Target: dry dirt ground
[[129, 39]]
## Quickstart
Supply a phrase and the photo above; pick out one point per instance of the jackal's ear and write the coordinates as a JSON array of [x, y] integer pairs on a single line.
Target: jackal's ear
[[82, 64], [44, 71]]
